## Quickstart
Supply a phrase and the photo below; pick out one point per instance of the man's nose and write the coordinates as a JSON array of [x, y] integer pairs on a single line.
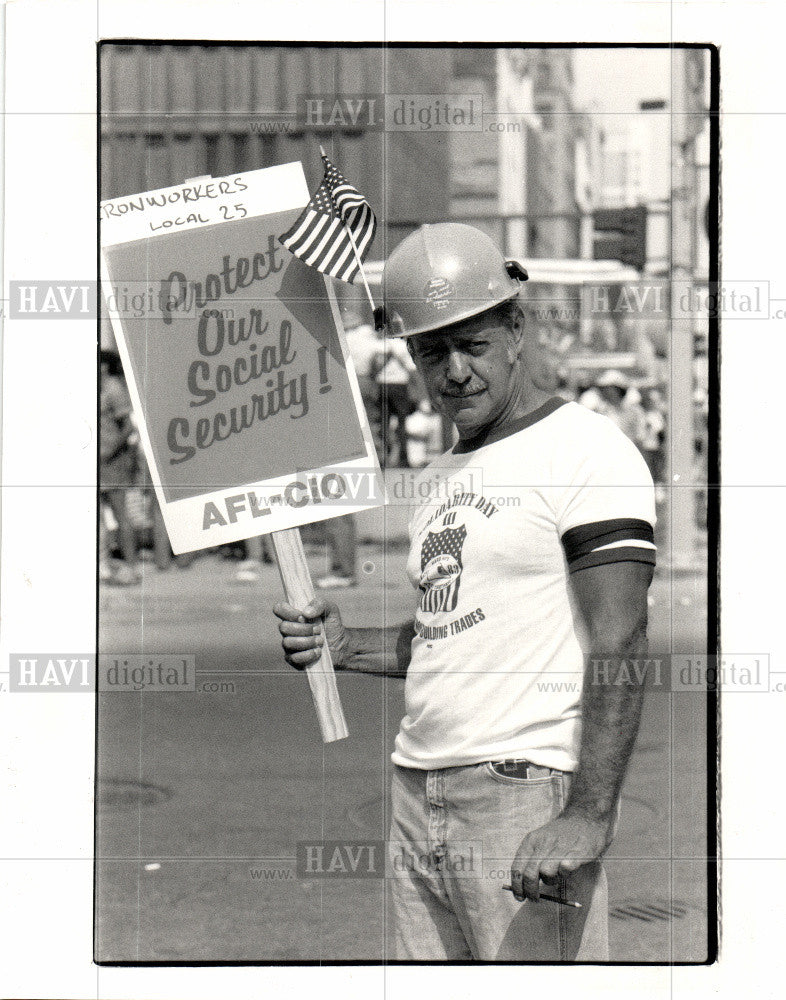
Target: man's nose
[[457, 367]]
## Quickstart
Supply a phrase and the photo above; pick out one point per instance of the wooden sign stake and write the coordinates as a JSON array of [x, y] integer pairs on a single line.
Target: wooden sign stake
[[295, 577]]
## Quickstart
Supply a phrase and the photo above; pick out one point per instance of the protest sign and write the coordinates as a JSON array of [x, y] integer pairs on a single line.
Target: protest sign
[[247, 402], [245, 396]]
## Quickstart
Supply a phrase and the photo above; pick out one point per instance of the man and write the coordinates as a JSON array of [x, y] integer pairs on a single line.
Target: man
[[515, 741]]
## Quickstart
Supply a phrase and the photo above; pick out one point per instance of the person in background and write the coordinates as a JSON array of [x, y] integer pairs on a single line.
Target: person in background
[[424, 432], [341, 539], [258, 551], [591, 398], [341, 532], [395, 375], [654, 433], [118, 460], [363, 344], [633, 417], [620, 403]]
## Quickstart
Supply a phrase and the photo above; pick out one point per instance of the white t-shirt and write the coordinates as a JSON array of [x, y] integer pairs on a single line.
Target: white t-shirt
[[497, 669]]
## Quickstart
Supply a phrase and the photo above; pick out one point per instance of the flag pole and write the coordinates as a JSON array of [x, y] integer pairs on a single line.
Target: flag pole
[[360, 265], [355, 250]]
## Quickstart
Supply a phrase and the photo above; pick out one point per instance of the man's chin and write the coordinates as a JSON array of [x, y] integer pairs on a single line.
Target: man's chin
[[469, 420]]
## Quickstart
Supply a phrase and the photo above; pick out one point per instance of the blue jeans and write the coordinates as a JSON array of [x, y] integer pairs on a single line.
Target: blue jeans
[[454, 833]]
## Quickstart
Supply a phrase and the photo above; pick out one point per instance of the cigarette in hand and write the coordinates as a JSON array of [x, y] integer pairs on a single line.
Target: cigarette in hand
[[551, 899]]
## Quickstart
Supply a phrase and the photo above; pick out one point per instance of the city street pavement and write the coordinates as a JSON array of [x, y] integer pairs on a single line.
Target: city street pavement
[[204, 795]]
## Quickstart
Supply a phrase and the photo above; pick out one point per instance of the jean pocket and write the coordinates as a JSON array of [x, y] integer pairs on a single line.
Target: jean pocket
[[509, 779]]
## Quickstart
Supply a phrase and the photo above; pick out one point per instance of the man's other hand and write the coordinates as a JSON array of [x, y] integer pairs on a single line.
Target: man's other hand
[[556, 849]]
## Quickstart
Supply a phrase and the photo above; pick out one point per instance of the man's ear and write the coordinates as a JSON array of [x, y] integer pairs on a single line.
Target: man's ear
[[541, 362], [516, 331]]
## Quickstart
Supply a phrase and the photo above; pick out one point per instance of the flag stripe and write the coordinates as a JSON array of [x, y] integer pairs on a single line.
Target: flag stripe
[[338, 258], [311, 233], [295, 234], [318, 252], [310, 252], [347, 261], [351, 270], [346, 200], [369, 228], [300, 245], [363, 229]]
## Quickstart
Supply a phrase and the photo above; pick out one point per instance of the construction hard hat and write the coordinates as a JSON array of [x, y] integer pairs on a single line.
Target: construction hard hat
[[442, 274]]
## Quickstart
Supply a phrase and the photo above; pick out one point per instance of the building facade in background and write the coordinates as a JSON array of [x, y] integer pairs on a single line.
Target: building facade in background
[[523, 162], [169, 112]]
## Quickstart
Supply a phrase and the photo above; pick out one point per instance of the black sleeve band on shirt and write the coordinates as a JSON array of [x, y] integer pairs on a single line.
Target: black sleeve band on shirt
[[584, 538], [623, 535], [625, 553]]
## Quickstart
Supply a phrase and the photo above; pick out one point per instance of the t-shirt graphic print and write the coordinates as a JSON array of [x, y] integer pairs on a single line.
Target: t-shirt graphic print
[[440, 569]]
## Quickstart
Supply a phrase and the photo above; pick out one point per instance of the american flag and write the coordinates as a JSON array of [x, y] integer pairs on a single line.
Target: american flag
[[441, 568], [319, 236]]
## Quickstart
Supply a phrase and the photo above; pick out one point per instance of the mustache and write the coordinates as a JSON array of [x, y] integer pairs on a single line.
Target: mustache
[[464, 391]]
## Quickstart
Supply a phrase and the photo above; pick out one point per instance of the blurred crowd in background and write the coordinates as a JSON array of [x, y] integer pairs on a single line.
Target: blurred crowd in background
[[407, 434]]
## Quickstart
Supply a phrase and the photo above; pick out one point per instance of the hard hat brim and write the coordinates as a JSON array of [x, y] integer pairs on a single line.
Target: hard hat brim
[[461, 317]]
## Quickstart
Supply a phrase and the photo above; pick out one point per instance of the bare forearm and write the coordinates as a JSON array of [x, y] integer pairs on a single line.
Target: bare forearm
[[381, 651], [611, 712], [612, 599]]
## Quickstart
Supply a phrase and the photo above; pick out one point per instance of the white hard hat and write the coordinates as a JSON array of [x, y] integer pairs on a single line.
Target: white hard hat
[[442, 274]]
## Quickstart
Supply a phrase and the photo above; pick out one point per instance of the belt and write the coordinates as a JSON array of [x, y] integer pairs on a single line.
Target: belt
[[521, 769]]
